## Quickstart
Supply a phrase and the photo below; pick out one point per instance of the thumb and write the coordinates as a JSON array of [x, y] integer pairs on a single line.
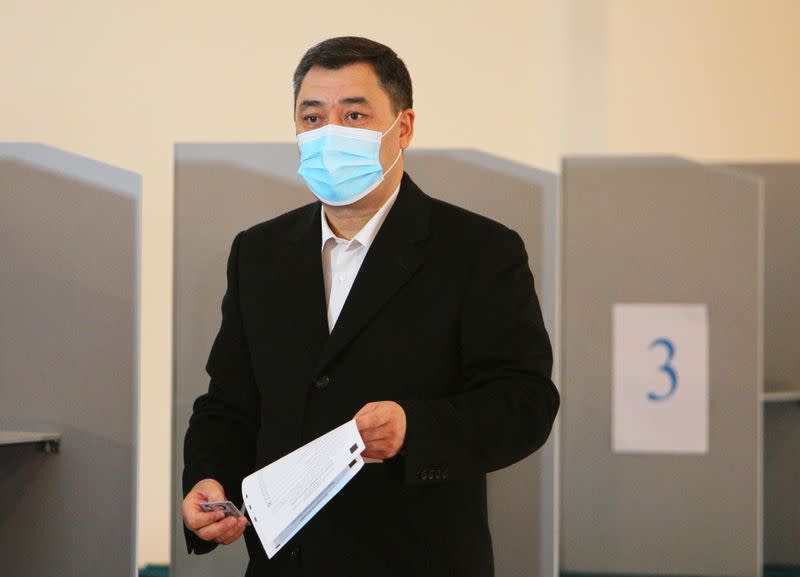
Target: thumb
[[368, 408], [210, 490]]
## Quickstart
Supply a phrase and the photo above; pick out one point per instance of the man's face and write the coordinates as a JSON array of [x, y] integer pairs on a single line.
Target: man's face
[[351, 96]]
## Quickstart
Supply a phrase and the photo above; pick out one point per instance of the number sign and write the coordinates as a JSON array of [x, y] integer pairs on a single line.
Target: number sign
[[660, 378]]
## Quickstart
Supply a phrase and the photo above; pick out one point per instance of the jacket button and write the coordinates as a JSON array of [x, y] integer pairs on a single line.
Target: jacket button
[[294, 552], [322, 382]]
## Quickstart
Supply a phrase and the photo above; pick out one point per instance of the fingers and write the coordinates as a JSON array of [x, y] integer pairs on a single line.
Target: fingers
[[193, 516], [383, 449], [381, 423], [216, 531], [369, 436], [382, 426], [196, 519], [371, 419], [233, 534], [377, 414], [209, 526]]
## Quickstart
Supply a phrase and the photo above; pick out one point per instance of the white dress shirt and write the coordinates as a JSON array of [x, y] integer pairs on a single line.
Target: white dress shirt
[[342, 259]]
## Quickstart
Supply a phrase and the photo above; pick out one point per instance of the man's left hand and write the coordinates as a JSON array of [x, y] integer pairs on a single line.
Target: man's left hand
[[382, 426]]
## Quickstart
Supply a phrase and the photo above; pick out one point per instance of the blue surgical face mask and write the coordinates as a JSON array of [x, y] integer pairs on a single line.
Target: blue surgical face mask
[[341, 164]]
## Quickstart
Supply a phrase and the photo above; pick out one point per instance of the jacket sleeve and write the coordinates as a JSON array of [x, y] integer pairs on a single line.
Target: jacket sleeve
[[220, 440], [506, 406]]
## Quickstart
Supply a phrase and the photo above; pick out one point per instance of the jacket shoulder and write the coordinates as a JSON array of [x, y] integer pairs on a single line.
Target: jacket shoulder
[[466, 225], [283, 226]]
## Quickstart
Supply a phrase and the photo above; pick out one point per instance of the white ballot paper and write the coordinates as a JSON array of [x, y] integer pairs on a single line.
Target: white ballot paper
[[286, 494]]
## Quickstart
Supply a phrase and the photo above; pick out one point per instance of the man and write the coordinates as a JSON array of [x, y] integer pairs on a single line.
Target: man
[[379, 302]]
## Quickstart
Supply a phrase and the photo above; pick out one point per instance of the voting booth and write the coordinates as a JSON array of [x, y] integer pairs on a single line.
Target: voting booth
[[644, 236], [221, 189], [69, 262], [781, 390]]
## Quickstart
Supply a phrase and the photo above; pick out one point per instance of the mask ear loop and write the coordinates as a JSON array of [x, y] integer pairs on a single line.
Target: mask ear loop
[[400, 152], [388, 170], [388, 130]]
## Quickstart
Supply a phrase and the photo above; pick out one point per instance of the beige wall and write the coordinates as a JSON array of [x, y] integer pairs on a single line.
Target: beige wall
[[706, 78], [121, 81]]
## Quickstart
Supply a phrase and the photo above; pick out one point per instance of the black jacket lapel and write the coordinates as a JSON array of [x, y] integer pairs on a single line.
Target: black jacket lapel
[[395, 255], [306, 290]]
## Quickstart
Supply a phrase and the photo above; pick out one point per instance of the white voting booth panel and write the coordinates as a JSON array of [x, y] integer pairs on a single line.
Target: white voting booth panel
[[652, 232], [69, 262], [781, 391], [221, 189]]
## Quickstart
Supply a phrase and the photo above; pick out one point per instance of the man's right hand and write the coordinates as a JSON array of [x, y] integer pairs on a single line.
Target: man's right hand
[[213, 526]]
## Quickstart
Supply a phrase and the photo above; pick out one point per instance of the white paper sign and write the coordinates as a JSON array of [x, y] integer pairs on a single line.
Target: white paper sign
[[660, 378]]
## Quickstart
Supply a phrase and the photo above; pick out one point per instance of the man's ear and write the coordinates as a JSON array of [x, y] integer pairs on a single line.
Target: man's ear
[[406, 127]]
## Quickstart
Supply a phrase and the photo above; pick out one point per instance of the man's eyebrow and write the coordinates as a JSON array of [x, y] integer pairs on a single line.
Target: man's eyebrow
[[354, 100], [310, 104]]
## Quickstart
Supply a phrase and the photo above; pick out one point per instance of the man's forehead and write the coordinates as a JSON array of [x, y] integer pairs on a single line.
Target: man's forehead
[[351, 84]]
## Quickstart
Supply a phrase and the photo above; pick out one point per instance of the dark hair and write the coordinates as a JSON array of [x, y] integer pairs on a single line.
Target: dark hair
[[335, 53]]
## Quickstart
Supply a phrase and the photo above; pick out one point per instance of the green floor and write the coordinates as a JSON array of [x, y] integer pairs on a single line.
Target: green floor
[[781, 571], [154, 571]]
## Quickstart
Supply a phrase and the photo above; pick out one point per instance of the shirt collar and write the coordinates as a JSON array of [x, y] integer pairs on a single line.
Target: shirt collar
[[367, 234]]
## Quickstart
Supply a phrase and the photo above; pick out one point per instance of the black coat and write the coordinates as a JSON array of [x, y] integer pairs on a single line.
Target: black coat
[[443, 319]]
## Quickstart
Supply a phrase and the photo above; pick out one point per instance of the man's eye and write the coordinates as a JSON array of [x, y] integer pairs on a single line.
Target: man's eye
[[312, 118], [354, 116]]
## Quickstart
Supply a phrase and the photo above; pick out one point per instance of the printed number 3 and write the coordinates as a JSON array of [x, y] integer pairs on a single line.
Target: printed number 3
[[666, 368]]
